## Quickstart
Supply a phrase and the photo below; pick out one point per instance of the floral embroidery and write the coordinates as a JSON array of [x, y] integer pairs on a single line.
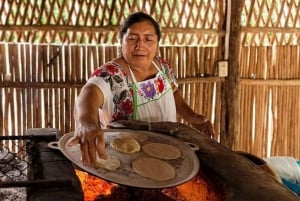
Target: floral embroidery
[[116, 115], [126, 106], [109, 69], [117, 78], [148, 89], [97, 72], [112, 69], [160, 85], [153, 88], [122, 90]]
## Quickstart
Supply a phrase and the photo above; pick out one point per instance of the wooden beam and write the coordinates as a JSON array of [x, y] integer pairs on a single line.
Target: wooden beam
[[270, 82], [91, 29], [46, 85], [200, 80], [88, 29], [271, 30], [79, 84]]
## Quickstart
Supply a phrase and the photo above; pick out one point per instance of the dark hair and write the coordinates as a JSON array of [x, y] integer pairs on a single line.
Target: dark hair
[[139, 17]]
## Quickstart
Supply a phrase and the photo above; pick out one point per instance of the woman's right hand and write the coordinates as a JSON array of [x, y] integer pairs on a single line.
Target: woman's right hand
[[91, 140]]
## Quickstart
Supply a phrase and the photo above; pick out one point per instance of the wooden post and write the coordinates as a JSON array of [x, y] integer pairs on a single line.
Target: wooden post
[[230, 120]]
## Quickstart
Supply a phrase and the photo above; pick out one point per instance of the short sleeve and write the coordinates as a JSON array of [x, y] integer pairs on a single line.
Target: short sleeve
[[112, 80]]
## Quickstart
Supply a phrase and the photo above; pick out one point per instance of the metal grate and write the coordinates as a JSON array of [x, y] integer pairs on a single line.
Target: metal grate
[[14, 165], [14, 160], [18, 163]]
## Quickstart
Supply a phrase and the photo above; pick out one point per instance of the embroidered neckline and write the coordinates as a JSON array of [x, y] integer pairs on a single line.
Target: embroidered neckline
[[132, 74]]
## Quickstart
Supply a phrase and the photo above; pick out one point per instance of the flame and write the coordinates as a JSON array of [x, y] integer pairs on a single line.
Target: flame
[[199, 188], [93, 186]]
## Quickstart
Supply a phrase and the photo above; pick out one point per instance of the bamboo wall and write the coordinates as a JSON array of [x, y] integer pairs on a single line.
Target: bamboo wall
[[270, 79], [270, 101]]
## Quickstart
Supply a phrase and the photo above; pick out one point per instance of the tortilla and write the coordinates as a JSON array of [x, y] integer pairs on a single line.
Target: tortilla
[[161, 151], [110, 163], [137, 136], [153, 168], [125, 145]]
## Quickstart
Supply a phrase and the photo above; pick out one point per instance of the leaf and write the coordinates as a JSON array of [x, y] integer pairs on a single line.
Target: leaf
[[123, 95], [117, 78]]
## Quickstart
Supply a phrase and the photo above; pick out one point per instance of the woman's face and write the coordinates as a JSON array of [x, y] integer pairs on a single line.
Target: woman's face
[[139, 44]]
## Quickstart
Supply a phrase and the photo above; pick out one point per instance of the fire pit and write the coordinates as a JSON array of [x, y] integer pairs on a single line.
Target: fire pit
[[201, 187]]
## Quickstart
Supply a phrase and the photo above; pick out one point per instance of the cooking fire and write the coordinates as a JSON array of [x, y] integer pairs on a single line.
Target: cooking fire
[[199, 188]]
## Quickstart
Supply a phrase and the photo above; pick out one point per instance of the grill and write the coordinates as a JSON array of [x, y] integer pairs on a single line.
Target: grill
[[14, 165], [30, 170], [14, 161]]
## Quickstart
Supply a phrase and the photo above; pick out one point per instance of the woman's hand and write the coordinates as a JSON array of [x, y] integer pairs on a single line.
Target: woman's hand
[[198, 121], [87, 132], [201, 123], [91, 140]]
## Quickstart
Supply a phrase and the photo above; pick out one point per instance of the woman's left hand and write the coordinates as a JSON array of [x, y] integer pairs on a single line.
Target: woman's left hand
[[201, 123]]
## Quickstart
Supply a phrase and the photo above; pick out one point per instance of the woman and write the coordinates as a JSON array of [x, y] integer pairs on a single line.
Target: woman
[[137, 85]]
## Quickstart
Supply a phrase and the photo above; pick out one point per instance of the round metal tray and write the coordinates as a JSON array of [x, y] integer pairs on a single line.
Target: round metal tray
[[186, 167]]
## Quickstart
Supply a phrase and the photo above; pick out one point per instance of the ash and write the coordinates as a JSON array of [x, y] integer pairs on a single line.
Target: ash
[[12, 169], [15, 194]]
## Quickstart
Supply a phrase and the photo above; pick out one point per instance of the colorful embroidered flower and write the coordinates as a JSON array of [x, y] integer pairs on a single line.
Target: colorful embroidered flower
[[160, 85], [140, 92], [109, 69], [112, 69], [126, 107], [97, 72], [149, 90], [116, 116], [131, 91], [163, 61]]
